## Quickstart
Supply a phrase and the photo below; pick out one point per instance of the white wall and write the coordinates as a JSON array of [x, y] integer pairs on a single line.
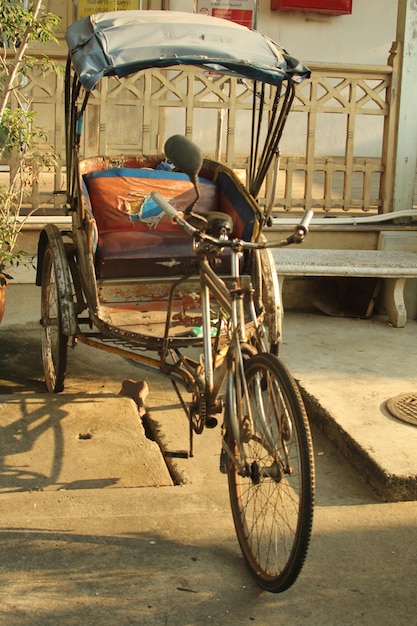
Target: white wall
[[364, 37]]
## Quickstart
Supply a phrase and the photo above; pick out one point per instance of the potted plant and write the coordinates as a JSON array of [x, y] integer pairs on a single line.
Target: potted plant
[[21, 23]]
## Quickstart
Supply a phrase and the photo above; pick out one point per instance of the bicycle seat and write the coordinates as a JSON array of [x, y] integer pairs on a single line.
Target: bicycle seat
[[219, 223], [214, 223]]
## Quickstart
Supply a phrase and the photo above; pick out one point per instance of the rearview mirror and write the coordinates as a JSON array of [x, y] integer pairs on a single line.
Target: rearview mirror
[[188, 158]]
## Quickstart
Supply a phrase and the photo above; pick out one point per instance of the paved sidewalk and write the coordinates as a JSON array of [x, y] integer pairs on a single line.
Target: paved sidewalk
[[348, 370], [85, 541]]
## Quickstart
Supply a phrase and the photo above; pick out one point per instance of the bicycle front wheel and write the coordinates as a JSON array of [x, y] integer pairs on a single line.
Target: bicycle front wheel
[[272, 495]]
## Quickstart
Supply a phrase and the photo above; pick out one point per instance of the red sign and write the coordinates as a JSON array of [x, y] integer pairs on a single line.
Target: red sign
[[239, 11], [332, 7], [245, 18]]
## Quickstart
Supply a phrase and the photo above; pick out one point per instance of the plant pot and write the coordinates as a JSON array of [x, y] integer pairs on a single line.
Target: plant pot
[[2, 300]]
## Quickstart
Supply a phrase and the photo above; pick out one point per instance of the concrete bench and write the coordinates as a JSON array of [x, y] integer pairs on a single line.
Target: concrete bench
[[393, 266]]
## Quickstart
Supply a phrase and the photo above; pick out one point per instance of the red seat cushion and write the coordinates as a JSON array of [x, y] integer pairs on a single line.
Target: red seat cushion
[[120, 198]]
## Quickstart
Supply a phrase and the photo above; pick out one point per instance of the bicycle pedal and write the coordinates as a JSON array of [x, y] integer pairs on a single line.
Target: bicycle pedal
[[211, 422]]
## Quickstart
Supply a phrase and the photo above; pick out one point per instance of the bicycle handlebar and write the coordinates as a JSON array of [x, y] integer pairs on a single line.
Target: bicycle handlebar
[[301, 229], [178, 217], [305, 222]]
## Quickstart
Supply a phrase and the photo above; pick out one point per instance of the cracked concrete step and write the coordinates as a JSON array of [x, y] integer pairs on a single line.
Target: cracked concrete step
[[75, 441]]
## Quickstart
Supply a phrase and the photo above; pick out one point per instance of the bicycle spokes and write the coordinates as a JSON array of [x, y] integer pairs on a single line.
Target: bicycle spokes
[[271, 482]]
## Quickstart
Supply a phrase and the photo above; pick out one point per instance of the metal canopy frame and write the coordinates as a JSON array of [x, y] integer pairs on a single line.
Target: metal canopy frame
[[125, 42]]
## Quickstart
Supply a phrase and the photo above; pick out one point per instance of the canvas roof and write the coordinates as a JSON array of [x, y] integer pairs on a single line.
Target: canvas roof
[[120, 43]]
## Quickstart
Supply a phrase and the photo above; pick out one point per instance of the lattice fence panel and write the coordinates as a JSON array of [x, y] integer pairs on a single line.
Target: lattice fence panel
[[328, 155]]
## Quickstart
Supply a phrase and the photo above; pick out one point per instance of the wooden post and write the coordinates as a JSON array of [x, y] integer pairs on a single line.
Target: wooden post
[[406, 145]]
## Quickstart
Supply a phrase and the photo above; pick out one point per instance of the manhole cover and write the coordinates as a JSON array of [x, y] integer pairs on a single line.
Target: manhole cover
[[404, 407]]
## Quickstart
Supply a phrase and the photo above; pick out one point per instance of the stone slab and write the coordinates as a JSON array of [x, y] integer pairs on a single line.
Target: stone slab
[[75, 441]]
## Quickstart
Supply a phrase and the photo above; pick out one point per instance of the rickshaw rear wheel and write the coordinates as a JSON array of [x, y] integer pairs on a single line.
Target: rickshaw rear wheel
[[266, 283], [54, 342]]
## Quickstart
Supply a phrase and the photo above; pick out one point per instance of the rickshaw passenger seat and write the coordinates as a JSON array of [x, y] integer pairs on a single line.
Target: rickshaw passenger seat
[[135, 239]]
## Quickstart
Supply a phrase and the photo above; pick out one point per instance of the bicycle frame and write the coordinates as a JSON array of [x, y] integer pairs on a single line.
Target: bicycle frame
[[232, 366], [232, 306], [205, 378]]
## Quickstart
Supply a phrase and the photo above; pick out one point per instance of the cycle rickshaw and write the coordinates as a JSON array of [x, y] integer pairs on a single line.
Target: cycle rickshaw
[[166, 264]]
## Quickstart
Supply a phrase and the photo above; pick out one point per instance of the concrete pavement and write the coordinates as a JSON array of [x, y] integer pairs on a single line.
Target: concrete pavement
[[93, 544], [349, 369]]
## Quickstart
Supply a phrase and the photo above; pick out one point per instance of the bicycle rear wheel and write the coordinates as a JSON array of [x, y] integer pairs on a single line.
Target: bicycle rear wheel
[[268, 298], [272, 497]]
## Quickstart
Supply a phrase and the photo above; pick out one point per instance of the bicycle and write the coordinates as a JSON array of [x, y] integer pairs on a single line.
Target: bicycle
[[267, 450]]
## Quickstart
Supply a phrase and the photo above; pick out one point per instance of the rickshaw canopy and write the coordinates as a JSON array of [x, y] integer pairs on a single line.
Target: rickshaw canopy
[[120, 43]]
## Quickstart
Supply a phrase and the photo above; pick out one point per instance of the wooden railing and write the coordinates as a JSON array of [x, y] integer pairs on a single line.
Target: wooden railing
[[337, 149], [353, 103]]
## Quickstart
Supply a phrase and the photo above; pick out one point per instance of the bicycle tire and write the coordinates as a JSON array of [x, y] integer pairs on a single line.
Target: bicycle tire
[[265, 279], [272, 513], [54, 342], [271, 300]]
